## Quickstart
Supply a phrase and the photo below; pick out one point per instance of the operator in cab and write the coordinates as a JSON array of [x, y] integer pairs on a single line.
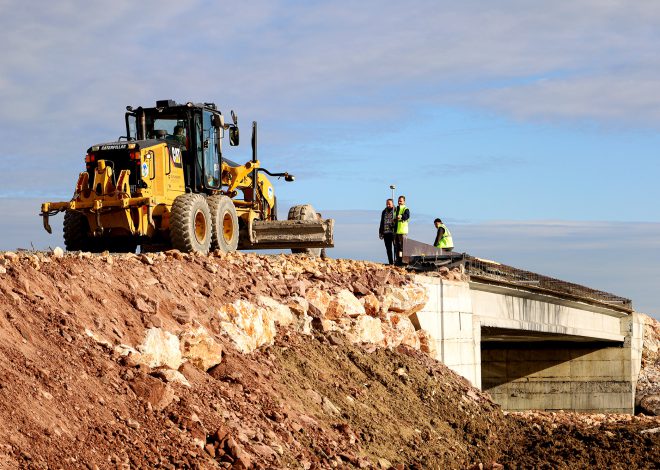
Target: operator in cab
[[179, 136]]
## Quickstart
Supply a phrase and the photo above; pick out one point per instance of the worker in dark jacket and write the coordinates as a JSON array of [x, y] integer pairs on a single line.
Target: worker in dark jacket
[[401, 217], [386, 229], [443, 239]]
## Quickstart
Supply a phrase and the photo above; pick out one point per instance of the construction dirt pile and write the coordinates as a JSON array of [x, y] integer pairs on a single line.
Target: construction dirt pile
[[647, 398], [244, 361]]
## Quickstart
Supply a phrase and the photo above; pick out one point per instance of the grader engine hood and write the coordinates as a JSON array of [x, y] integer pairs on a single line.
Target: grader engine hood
[[123, 156]]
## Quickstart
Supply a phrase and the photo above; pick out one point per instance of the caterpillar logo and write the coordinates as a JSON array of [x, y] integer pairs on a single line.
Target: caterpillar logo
[[175, 153], [114, 147]]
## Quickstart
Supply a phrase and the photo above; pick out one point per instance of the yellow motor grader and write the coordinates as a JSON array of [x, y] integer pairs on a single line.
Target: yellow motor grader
[[167, 184]]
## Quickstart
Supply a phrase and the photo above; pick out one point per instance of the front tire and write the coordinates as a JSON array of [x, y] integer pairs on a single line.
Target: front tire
[[224, 234], [190, 224], [76, 232], [304, 212]]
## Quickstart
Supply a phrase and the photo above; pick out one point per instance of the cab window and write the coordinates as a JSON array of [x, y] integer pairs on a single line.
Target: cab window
[[210, 152]]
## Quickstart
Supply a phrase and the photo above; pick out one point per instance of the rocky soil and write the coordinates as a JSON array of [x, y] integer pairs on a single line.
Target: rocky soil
[[647, 398], [245, 361]]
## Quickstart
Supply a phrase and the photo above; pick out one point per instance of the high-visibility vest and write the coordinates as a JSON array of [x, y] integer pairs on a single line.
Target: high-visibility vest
[[401, 225], [446, 241]]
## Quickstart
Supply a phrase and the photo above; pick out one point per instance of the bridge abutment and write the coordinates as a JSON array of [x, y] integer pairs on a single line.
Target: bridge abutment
[[534, 351]]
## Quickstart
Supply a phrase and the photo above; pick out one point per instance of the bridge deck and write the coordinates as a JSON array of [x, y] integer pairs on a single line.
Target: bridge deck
[[425, 258]]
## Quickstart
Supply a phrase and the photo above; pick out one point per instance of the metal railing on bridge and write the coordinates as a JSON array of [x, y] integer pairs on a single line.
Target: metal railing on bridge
[[424, 258]]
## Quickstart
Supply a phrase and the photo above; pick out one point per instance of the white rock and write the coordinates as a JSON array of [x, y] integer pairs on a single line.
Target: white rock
[[160, 348], [303, 325], [405, 300], [124, 350], [400, 330], [281, 313], [371, 305], [146, 259], [131, 357], [58, 252], [247, 325], [318, 301], [298, 305], [171, 376], [328, 326], [200, 348], [366, 329], [650, 431], [344, 304], [426, 343]]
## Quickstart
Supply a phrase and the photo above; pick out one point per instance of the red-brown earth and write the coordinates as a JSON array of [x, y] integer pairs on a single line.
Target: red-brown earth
[[70, 399]]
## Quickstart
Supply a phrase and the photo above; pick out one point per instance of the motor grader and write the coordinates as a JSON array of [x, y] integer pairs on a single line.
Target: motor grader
[[167, 183]]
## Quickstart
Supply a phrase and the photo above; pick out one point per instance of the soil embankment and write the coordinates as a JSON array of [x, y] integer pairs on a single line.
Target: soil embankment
[[246, 361]]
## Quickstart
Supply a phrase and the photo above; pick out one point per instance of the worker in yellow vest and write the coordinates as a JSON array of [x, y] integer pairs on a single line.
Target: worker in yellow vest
[[443, 239], [401, 217]]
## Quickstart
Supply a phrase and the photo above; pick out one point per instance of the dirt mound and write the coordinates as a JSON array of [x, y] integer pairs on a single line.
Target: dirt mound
[[647, 398], [71, 397]]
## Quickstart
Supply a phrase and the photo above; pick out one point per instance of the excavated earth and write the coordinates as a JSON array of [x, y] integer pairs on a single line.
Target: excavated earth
[[647, 398], [245, 361]]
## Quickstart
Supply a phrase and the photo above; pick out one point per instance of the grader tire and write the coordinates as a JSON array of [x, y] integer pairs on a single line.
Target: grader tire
[[304, 212], [76, 232], [190, 224], [224, 233]]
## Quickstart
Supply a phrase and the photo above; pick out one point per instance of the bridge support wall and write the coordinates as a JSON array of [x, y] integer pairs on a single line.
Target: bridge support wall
[[559, 376], [532, 351], [449, 320]]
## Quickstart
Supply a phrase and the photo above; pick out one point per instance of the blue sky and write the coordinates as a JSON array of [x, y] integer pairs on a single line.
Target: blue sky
[[532, 128]]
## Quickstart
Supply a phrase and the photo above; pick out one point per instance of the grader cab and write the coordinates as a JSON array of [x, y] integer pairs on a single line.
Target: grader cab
[[168, 184]]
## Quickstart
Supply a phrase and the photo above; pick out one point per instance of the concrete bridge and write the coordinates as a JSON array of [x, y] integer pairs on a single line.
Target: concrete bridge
[[534, 347]]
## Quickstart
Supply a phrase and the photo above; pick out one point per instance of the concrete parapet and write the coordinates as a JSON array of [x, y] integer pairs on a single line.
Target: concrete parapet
[[514, 308]]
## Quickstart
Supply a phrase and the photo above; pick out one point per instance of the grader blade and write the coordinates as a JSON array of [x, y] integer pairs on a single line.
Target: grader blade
[[281, 234]]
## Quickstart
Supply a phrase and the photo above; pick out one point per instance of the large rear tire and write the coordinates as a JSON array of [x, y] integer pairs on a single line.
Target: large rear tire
[[304, 212], [190, 224], [76, 232], [224, 234]]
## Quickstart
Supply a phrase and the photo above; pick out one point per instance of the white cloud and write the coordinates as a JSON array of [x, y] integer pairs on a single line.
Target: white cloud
[[628, 99], [579, 59], [335, 70]]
